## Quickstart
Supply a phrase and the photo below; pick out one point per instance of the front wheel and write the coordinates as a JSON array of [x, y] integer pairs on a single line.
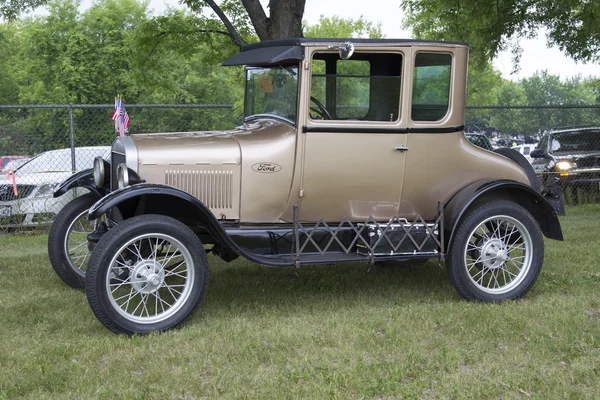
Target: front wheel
[[148, 273], [497, 252], [67, 241]]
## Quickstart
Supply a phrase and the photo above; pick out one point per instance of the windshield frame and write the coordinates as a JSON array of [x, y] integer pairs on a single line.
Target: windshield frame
[[288, 67]]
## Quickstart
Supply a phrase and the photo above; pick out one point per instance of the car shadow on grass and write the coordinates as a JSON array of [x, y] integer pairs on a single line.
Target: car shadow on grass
[[244, 287]]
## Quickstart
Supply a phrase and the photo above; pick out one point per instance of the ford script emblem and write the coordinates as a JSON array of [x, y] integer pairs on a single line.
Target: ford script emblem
[[266, 167]]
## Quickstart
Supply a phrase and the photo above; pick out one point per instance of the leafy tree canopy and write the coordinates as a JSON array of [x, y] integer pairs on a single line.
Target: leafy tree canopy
[[491, 26]]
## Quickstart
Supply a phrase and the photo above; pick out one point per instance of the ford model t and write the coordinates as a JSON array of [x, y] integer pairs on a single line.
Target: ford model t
[[349, 152]]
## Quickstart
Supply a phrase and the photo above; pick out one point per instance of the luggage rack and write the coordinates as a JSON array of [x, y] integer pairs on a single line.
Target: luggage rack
[[373, 240]]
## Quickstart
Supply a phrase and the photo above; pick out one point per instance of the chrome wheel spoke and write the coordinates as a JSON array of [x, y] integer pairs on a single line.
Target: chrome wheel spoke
[[141, 296], [500, 247]]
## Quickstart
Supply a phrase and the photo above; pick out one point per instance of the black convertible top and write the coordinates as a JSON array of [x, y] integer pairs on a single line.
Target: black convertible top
[[286, 51]]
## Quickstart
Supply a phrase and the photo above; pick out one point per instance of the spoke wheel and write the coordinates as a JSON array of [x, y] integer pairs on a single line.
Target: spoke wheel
[[67, 241], [147, 274], [150, 278], [496, 253], [76, 247]]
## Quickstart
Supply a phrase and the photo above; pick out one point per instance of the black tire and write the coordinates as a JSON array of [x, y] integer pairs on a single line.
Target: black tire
[[71, 271], [469, 277], [523, 163], [103, 298]]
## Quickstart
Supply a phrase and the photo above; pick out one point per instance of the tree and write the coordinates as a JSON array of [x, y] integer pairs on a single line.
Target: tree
[[284, 19], [491, 26]]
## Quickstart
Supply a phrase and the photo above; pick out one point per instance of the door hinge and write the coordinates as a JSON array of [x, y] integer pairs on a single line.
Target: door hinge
[[301, 192]]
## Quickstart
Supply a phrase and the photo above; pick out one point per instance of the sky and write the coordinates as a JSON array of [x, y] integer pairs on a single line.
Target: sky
[[536, 55]]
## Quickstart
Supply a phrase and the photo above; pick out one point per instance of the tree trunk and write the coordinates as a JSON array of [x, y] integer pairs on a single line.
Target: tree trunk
[[285, 19]]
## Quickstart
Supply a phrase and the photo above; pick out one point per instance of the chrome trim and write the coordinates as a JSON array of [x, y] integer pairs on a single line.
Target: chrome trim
[[122, 176], [99, 172], [126, 147]]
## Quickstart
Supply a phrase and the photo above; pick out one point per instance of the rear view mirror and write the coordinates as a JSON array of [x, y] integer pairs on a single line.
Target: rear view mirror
[[537, 153]]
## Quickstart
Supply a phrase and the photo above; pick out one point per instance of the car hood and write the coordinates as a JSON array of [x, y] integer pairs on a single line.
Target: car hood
[[188, 148], [37, 178]]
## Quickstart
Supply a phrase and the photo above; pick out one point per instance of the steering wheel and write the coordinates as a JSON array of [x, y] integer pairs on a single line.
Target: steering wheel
[[321, 111]]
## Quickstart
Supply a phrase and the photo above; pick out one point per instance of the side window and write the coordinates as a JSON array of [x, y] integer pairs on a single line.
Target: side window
[[352, 89], [431, 86], [364, 88]]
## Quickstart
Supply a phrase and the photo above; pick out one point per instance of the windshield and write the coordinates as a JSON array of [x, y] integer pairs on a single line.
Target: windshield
[[571, 142], [271, 91]]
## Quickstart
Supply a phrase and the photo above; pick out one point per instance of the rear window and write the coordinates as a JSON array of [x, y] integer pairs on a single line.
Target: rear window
[[431, 86]]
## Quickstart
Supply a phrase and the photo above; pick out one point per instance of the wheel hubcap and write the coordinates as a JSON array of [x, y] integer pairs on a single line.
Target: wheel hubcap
[[147, 276], [498, 255]]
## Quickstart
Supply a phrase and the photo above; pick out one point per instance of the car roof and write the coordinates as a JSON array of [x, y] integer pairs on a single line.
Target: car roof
[[354, 41], [288, 51]]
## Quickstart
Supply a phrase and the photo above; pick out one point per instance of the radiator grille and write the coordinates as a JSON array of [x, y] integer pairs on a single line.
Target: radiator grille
[[213, 188], [7, 192]]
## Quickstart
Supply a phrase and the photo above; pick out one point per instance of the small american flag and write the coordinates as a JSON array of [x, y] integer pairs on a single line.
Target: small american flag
[[120, 116]]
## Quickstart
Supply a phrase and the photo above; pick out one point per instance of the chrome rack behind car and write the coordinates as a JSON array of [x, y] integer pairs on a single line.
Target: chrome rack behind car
[[395, 239]]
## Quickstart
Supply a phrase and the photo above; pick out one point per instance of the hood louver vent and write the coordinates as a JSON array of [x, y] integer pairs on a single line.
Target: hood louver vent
[[213, 188]]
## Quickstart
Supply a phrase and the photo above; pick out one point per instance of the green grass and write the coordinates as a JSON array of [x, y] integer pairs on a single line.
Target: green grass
[[331, 332]]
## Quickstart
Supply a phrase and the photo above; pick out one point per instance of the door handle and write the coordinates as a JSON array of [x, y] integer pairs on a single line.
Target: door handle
[[402, 148]]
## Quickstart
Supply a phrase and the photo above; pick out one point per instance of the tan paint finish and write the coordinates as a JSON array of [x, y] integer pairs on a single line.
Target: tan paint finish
[[353, 175], [206, 165], [439, 165], [265, 194]]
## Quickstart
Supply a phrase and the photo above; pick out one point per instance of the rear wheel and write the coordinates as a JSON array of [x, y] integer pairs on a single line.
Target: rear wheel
[[148, 273], [497, 252]]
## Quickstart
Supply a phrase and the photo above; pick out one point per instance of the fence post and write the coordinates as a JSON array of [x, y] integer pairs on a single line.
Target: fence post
[[72, 137]]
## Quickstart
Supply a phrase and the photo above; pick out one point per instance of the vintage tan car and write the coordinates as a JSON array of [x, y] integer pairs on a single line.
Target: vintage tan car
[[350, 151]]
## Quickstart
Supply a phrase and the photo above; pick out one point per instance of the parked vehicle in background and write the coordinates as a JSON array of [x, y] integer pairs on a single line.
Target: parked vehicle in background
[[479, 139], [13, 165], [349, 152], [571, 155], [4, 160], [34, 183], [526, 150]]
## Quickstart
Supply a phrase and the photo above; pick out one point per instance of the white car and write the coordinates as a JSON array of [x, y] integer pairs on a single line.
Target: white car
[[35, 182], [14, 164]]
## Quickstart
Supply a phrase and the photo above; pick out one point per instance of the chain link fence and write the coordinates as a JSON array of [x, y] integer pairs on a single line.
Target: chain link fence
[[41, 145], [562, 142]]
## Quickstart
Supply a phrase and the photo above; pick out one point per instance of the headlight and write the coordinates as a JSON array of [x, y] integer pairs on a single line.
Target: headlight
[[99, 172], [122, 176], [564, 165], [46, 190]]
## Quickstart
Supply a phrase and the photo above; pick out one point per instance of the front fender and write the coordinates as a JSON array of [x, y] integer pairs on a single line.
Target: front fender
[[83, 179], [167, 200], [522, 194]]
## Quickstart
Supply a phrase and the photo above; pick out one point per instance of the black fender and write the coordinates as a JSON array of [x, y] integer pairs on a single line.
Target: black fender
[[522, 194], [83, 179], [166, 200]]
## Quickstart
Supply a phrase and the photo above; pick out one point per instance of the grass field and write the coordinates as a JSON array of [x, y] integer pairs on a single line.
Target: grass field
[[331, 332]]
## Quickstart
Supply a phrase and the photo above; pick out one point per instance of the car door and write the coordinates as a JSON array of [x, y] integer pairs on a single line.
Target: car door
[[354, 136]]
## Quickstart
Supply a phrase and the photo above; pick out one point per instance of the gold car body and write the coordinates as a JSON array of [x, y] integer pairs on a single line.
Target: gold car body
[[330, 169]]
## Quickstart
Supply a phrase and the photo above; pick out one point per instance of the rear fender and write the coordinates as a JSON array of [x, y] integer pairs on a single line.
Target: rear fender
[[522, 194]]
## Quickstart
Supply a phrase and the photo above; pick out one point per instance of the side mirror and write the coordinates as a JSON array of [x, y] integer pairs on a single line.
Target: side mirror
[[346, 50], [537, 153]]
